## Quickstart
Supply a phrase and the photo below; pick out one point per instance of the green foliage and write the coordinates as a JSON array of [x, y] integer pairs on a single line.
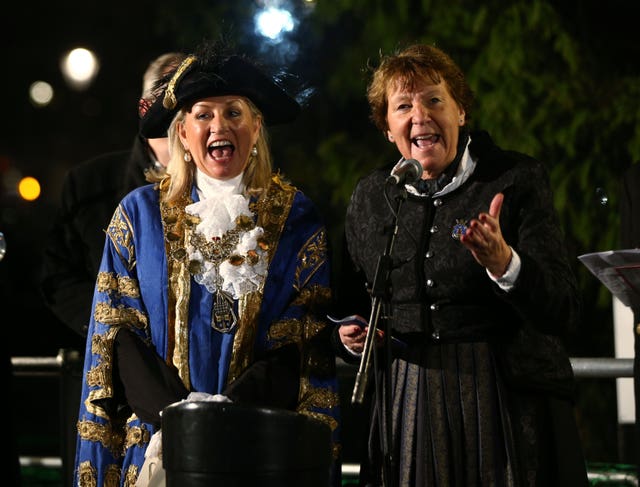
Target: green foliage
[[535, 94], [541, 89]]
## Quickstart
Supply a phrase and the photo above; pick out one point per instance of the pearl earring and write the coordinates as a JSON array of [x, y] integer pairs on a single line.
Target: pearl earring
[[254, 151], [187, 156]]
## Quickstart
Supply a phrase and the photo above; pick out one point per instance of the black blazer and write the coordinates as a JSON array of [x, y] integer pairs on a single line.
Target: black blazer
[[439, 294]]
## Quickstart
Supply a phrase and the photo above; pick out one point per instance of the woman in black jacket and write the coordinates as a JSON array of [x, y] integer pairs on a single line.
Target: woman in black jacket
[[478, 297]]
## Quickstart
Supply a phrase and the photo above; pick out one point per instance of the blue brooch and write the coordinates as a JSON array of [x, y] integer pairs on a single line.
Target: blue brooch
[[459, 229]]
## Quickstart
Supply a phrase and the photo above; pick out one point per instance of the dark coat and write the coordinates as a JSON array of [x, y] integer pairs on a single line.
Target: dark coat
[[90, 194], [439, 293]]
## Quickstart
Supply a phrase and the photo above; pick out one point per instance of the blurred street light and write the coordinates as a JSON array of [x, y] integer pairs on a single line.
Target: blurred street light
[[273, 21], [40, 93], [79, 68], [29, 188]]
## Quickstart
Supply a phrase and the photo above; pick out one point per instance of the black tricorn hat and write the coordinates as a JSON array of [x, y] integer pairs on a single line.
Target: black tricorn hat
[[213, 73]]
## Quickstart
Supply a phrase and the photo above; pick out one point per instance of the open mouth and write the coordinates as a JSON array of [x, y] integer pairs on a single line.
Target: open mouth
[[424, 141], [220, 149]]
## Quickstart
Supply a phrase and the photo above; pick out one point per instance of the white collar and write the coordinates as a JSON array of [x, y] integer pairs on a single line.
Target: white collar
[[465, 170], [208, 186]]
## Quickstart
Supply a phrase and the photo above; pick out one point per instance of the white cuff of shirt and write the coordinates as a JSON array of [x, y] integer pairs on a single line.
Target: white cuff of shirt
[[508, 279], [351, 352]]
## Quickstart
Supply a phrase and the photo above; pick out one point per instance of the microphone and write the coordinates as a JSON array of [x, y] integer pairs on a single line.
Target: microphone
[[406, 172]]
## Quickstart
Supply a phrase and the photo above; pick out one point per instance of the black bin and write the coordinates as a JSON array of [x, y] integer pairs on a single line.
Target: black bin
[[230, 445]]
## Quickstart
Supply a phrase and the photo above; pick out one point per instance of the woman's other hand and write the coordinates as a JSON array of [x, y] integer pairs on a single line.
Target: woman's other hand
[[484, 239]]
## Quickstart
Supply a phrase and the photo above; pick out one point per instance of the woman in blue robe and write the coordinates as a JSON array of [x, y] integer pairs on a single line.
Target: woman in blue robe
[[214, 279]]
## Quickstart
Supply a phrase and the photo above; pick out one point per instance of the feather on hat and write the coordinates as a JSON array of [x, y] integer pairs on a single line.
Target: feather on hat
[[213, 72]]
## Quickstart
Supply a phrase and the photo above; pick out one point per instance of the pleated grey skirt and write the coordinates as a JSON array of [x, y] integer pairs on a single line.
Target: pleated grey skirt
[[456, 424]]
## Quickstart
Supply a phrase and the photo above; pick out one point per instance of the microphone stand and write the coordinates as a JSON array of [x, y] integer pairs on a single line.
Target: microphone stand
[[380, 292]]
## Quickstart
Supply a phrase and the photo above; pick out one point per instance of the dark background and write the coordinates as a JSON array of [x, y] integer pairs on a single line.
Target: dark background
[[558, 80]]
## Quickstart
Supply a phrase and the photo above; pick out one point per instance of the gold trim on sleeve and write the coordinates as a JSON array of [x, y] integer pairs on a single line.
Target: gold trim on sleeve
[[115, 285], [131, 476], [121, 315], [311, 257], [103, 433], [87, 475], [120, 231]]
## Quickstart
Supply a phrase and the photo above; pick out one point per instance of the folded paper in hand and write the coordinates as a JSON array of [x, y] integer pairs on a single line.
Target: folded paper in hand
[[619, 271], [361, 322], [350, 320]]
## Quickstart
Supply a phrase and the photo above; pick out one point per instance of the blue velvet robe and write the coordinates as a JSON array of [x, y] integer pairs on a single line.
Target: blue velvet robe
[[144, 284]]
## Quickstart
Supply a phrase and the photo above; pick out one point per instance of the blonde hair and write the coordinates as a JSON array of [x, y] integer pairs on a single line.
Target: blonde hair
[[257, 174]]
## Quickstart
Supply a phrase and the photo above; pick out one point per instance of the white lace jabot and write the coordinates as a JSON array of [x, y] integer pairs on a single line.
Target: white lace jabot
[[225, 245]]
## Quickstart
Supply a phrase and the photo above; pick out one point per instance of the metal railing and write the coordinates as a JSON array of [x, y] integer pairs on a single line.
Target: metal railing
[[67, 366], [606, 368], [583, 367]]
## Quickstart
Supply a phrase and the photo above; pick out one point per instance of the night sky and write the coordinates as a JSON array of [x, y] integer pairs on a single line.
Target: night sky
[[45, 142]]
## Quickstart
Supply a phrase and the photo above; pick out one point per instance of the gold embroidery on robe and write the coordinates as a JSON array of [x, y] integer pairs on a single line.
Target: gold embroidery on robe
[[311, 256], [120, 315], [111, 438], [112, 476], [87, 475], [120, 232], [323, 418], [272, 208], [284, 332], [101, 376], [136, 435], [313, 296], [177, 224], [131, 477], [243, 341], [316, 397], [115, 285]]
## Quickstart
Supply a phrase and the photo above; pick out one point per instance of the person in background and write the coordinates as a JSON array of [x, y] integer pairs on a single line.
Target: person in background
[[478, 298], [630, 238], [214, 279], [90, 193]]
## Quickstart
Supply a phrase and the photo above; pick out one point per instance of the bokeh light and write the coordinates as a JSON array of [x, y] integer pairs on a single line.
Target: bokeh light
[[79, 67], [40, 93], [273, 22], [29, 188]]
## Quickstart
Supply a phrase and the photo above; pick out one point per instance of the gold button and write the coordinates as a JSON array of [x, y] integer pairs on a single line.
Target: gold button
[[637, 328]]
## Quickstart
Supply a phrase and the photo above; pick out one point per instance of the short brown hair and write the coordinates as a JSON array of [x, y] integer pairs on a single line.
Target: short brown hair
[[418, 62]]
